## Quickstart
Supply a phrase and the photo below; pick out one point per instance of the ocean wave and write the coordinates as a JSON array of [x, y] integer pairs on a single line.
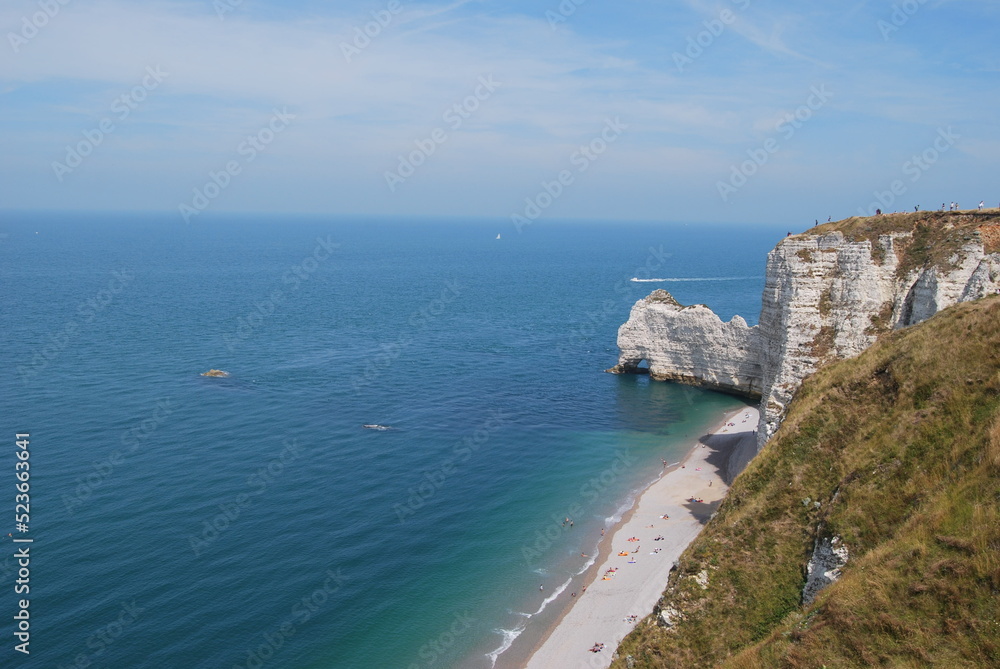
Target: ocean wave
[[509, 635], [508, 640], [613, 519], [551, 598], [591, 560], [683, 279]]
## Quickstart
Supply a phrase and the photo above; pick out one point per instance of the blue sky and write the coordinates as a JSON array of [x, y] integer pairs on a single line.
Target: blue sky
[[702, 96]]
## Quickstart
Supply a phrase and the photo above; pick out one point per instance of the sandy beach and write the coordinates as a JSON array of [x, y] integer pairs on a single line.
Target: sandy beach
[[634, 564]]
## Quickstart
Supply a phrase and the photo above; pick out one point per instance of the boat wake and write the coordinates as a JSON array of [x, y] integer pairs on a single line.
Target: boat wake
[[685, 279]]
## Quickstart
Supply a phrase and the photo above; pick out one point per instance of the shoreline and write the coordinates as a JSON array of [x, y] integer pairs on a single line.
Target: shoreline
[[599, 614]]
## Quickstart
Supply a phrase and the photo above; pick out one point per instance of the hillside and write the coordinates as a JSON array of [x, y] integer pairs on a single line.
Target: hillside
[[896, 453]]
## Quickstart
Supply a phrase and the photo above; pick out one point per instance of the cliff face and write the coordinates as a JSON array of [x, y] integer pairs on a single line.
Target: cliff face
[[829, 293]]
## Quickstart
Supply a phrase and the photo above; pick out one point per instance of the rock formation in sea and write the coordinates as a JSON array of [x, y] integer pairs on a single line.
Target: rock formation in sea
[[829, 294], [690, 344]]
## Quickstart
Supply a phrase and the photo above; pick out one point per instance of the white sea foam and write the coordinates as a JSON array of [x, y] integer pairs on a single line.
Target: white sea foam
[[620, 511], [551, 598], [508, 639], [591, 560], [684, 279]]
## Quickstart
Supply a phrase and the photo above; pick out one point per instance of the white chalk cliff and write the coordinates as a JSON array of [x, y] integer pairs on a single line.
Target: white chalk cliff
[[690, 345], [827, 296]]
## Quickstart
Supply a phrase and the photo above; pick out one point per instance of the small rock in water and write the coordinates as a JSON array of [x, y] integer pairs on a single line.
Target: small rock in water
[[215, 372]]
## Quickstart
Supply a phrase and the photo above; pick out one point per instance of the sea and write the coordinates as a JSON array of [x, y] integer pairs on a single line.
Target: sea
[[412, 411]]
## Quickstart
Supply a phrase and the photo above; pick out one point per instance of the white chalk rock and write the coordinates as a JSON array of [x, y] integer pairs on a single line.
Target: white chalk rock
[[828, 558], [825, 298]]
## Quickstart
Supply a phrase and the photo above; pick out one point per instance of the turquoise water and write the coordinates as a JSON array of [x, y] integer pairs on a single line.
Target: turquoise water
[[185, 521]]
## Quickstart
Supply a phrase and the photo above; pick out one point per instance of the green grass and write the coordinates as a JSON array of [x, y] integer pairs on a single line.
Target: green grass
[[901, 447]]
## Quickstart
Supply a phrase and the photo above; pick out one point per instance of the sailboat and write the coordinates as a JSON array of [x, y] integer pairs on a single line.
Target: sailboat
[[498, 235]]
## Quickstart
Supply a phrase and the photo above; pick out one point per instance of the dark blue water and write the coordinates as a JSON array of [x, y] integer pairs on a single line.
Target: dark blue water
[[185, 521]]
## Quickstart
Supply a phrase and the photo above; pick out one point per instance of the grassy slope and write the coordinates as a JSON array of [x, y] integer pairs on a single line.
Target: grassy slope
[[901, 447]]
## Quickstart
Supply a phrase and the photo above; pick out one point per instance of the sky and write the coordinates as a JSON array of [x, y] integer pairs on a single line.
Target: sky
[[736, 111]]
